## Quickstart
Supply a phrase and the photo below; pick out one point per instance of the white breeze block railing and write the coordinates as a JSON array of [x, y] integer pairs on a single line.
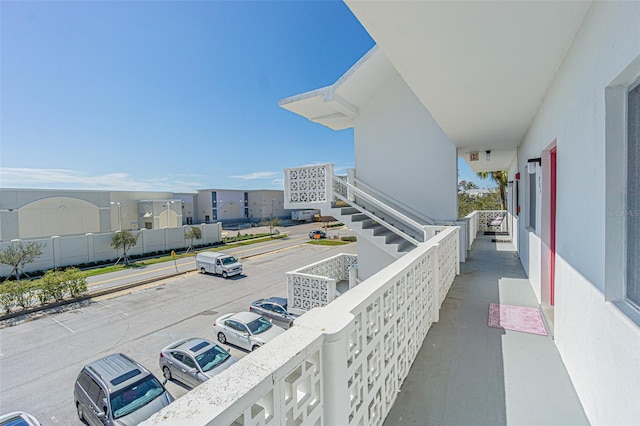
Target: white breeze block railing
[[473, 220], [314, 285], [342, 364], [486, 216], [308, 187]]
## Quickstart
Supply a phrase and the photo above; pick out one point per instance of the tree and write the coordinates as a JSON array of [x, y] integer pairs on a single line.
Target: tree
[[501, 178], [18, 256], [194, 233], [271, 223], [124, 240], [464, 185]]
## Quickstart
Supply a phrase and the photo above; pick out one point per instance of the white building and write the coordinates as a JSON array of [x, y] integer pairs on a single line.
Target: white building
[[36, 213], [549, 91]]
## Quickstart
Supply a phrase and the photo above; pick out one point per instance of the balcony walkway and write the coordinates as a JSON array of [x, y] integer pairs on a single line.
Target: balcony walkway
[[467, 373]]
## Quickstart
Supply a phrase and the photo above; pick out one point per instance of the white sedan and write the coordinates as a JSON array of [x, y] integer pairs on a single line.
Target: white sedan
[[246, 330]]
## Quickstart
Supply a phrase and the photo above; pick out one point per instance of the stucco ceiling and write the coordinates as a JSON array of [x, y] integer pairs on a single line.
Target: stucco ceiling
[[481, 68]]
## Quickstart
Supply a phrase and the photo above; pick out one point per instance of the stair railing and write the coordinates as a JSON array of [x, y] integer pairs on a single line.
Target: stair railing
[[343, 190], [395, 203]]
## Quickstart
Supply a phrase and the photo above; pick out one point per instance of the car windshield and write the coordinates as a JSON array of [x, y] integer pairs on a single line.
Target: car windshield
[[131, 398], [228, 260], [15, 421], [212, 358], [259, 325]]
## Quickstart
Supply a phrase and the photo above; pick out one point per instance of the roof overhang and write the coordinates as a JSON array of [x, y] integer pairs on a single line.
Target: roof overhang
[[481, 68], [337, 106]]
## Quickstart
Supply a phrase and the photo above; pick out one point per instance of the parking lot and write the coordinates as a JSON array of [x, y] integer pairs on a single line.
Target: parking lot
[[40, 359]]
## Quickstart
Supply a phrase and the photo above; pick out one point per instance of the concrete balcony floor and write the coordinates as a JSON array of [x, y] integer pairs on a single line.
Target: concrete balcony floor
[[468, 373]]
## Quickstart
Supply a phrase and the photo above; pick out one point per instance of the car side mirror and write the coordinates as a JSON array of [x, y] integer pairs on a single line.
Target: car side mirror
[[103, 413]]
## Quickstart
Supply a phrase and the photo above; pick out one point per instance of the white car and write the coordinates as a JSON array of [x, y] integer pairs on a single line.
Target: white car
[[246, 330], [18, 418]]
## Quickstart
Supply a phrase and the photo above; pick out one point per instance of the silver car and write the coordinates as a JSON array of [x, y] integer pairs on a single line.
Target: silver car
[[116, 390], [275, 309], [246, 330], [193, 361]]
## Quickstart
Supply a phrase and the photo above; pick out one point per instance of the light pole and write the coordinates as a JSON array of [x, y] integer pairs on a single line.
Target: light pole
[[117, 203], [168, 213]]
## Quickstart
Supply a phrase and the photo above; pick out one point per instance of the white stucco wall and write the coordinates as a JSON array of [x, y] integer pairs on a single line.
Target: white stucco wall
[[400, 150], [371, 259], [599, 346]]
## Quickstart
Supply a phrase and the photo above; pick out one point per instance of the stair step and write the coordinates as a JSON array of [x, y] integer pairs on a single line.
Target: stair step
[[346, 211], [359, 217]]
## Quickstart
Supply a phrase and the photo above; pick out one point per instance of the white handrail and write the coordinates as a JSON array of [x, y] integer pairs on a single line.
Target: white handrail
[[387, 209], [396, 202]]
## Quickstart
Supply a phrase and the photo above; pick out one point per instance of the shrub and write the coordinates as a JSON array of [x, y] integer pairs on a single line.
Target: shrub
[[25, 293], [7, 296], [41, 293], [54, 284], [349, 238], [76, 281]]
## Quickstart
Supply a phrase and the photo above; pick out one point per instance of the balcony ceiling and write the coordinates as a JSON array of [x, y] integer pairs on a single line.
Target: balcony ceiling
[[481, 68]]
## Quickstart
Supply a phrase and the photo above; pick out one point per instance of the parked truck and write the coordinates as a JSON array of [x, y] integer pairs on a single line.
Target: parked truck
[[218, 263], [304, 215]]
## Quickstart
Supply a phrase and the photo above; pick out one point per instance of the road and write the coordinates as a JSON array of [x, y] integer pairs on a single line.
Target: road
[[40, 359], [296, 235]]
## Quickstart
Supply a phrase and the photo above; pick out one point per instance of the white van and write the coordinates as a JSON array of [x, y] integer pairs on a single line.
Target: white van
[[218, 263]]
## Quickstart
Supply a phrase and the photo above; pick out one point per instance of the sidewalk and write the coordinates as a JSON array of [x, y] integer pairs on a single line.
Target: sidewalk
[[468, 373]]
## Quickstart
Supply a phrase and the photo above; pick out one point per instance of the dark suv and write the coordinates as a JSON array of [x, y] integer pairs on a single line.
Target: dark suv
[[116, 390]]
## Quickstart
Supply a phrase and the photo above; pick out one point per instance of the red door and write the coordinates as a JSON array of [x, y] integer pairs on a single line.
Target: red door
[[552, 228]]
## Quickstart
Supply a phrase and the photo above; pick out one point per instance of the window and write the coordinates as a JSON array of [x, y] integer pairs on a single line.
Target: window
[[93, 392], [532, 200], [85, 381], [632, 213], [189, 362], [622, 210]]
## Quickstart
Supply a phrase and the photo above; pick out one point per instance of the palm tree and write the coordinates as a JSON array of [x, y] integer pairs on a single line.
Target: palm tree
[[501, 178]]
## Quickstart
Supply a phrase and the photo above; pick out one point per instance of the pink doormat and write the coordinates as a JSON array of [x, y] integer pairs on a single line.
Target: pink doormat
[[518, 318]]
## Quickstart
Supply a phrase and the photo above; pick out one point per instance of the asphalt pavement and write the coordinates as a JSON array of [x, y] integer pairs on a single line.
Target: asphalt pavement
[[40, 359]]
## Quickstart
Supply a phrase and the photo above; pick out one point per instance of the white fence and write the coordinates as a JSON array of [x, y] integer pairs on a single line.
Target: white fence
[[487, 216], [473, 226], [342, 364], [308, 187], [315, 285], [85, 249]]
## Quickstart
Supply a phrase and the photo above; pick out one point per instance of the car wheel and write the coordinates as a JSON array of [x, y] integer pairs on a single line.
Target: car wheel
[[255, 347], [225, 275], [222, 338], [202, 271], [80, 415], [166, 372]]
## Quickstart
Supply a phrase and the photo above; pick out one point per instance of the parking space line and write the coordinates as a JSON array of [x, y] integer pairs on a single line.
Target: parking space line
[[58, 322], [111, 307]]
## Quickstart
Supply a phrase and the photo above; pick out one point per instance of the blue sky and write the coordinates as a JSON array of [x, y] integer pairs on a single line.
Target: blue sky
[[173, 96]]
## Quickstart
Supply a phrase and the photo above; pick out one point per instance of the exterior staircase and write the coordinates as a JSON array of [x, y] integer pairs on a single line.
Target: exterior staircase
[[377, 220]]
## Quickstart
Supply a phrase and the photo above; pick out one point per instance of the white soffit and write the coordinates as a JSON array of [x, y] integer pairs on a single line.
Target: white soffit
[[481, 68], [337, 106], [479, 161]]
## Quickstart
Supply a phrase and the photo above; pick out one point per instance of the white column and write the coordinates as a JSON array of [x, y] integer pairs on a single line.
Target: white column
[[435, 267], [336, 324]]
